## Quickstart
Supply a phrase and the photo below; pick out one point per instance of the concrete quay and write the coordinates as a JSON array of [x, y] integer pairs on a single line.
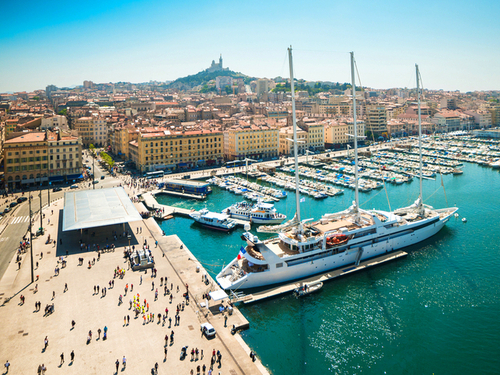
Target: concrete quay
[[24, 328]]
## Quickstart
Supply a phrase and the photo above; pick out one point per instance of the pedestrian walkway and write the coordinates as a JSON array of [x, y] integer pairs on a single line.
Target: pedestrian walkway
[[73, 291]]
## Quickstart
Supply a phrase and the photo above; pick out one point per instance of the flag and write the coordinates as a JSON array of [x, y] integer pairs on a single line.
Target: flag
[[242, 251], [302, 199]]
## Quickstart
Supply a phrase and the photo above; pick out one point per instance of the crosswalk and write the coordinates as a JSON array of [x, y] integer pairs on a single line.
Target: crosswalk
[[20, 219]]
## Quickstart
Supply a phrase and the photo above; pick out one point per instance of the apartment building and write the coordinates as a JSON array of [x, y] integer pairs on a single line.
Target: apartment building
[[26, 160], [65, 157], [250, 140], [446, 121], [161, 149], [92, 130], [315, 134], [286, 141], [337, 132], [376, 119], [56, 121]]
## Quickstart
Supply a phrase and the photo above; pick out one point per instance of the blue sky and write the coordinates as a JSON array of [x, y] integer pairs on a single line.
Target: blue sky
[[456, 43]]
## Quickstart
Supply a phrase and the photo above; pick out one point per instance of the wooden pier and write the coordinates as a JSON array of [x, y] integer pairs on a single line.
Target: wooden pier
[[288, 288]]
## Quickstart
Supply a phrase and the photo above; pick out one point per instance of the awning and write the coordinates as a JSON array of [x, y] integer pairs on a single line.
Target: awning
[[183, 164], [201, 161], [74, 176], [218, 295], [56, 178]]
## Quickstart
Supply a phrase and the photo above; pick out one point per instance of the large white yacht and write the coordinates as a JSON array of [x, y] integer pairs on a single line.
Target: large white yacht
[[337, 240]]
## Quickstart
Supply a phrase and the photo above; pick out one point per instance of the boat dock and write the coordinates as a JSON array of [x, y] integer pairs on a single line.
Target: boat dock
[[288, 288], [168, 211]]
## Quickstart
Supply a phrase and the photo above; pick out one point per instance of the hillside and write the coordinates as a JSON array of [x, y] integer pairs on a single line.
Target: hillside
[[203, 78]]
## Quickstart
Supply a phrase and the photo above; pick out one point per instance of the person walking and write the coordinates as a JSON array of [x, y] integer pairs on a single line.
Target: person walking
[[7, 366], [117, 364], [124, 361], [98, 333], [165, 350], [62, 359], [46, 343], [72, 355]]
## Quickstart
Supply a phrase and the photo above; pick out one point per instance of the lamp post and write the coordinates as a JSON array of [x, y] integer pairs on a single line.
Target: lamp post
[[31, 241], [93, 170], [41, 217]]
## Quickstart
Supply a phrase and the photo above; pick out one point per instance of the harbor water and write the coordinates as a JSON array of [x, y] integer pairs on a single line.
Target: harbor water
[[433, 312]]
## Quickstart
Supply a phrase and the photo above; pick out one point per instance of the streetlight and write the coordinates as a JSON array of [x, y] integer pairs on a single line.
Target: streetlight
[[31, 241]]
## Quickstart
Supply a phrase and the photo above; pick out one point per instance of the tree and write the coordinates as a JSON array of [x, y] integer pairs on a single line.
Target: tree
[[91, 147], [63, 112]]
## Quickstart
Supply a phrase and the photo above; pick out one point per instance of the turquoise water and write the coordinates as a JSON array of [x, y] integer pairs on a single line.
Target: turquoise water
[[435, 311]]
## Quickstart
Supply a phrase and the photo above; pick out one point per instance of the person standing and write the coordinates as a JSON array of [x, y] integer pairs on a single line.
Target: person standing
[[72, 355], [46, 343], [124, 361], [7, 366], [62, 359], [117, 364]]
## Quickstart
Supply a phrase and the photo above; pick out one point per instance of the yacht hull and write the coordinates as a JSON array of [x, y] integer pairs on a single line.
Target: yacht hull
[[323, 264]]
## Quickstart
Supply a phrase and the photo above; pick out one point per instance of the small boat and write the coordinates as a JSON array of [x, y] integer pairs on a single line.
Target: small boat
[[213, 220], [307, 288]]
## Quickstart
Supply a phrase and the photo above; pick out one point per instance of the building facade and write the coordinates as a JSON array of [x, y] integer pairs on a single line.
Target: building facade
[[251, 141], [92, 130], [26, 160]]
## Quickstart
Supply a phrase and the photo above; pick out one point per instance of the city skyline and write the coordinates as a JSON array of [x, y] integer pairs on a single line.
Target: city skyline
[[66, 43]]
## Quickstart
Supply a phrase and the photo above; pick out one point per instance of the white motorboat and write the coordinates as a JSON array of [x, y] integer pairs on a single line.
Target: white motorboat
[[213, 220], [308, 288], [259, 213], [336, 240]]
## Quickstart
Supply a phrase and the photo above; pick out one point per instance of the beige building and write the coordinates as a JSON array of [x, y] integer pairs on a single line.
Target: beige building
[[58, 121], [65, 157], [161, 149], [376, 119], [26, 160], [315, 135], [286, 141], [250, 141], [92, 130], [336, 132]]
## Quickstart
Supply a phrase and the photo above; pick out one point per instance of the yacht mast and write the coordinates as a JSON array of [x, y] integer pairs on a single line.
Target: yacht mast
[[295, 141], [420, 203], [353, 83]]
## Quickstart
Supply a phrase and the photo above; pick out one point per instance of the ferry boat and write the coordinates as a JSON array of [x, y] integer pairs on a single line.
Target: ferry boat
[[259, 213], [213, 220], [337, 240]]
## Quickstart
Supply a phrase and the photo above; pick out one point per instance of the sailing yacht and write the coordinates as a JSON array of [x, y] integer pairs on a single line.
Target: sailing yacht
[[337, 240]]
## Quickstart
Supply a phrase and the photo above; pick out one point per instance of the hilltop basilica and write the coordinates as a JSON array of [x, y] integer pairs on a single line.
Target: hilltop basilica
[[216, 67]]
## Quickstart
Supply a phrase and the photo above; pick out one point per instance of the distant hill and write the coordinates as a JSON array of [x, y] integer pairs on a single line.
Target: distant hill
[[203, 78]]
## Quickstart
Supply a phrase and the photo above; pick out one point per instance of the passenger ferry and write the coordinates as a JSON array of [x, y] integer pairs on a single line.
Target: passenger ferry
[[213, 220], [260, 213]]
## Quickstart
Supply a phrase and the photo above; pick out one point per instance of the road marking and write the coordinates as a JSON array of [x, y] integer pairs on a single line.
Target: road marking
[[4, 239], [19, 219]]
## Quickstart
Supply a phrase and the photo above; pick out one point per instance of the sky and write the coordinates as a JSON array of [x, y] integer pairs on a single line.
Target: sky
[[455, 43]]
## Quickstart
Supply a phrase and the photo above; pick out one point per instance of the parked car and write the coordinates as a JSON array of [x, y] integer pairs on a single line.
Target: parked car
[[21, 199], [96, 181], [73, 187], [56, 189], [208, 330], [8, 209], [102, 177], [13, 204]]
